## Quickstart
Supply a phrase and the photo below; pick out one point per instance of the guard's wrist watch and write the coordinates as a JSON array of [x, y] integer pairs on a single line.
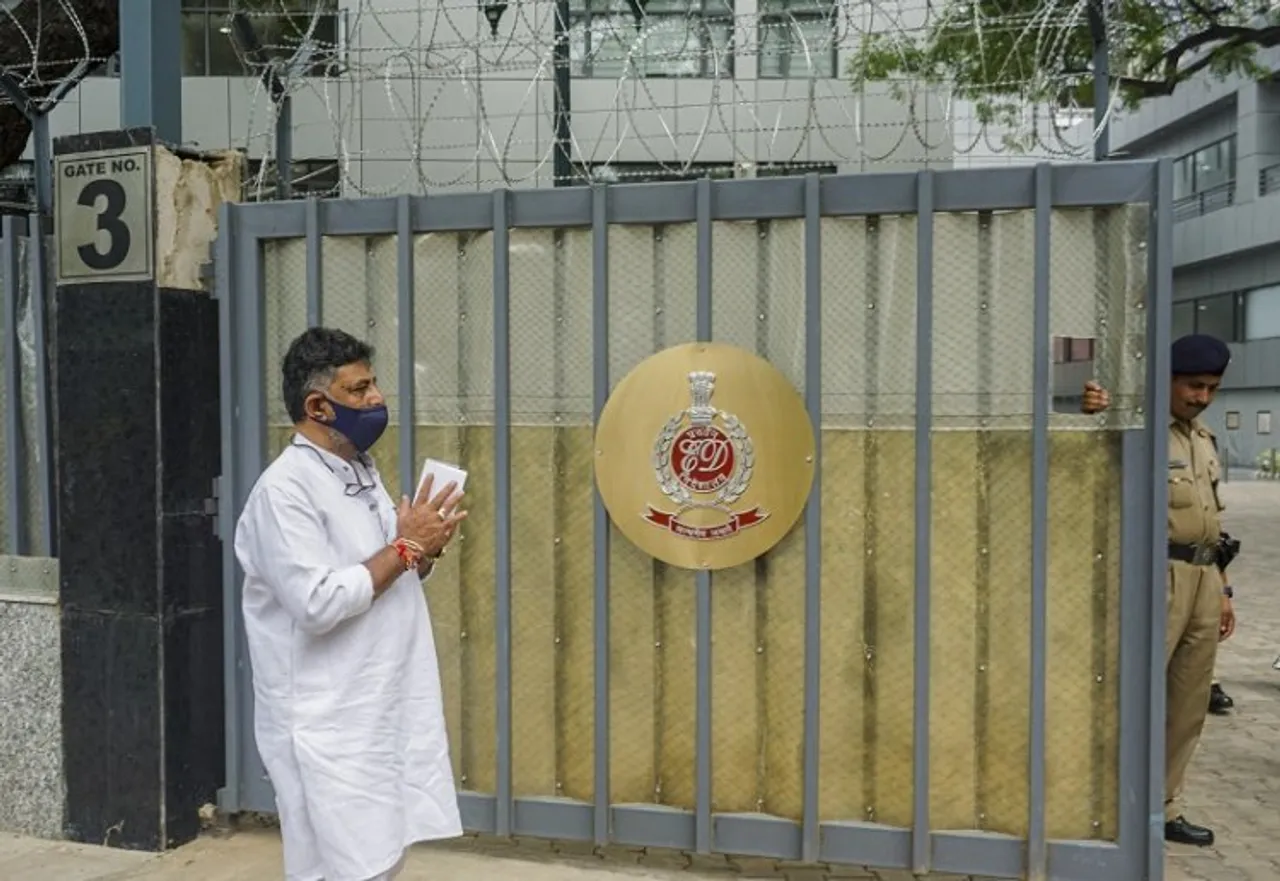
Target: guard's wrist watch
[[1228, 592]]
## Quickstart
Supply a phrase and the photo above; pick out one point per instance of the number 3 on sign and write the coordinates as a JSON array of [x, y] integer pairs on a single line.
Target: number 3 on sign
[[103, 215]]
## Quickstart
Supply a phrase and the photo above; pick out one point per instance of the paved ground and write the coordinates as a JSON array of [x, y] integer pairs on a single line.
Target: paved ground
[[1234, 785], [1235, 780]]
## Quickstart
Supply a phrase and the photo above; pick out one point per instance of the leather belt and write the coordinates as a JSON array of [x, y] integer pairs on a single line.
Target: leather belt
[[1196, 555]]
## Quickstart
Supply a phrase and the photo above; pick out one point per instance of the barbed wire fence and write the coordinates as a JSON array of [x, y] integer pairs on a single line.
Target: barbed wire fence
[[465, 93]]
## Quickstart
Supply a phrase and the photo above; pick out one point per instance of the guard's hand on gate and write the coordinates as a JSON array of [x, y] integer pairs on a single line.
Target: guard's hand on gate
[[1227, 625], [429, 520], [1095, 399]]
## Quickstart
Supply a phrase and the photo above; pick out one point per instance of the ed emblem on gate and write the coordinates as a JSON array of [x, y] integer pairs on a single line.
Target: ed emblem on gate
[[704, 456]]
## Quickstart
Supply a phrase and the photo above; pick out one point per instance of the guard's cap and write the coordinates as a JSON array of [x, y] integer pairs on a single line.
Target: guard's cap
[[1199, 354]]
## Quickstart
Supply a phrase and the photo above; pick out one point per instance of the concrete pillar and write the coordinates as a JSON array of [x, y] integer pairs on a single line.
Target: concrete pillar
[[1257, 138], [137, 413]]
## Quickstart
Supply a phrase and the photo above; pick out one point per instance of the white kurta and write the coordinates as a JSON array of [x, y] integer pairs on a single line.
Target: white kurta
[[348, 714]]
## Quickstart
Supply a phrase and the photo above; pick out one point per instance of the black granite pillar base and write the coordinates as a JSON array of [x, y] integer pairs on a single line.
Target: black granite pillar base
[[141, 567]]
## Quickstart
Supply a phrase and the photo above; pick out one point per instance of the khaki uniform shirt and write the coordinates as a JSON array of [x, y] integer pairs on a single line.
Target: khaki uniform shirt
[[1194, 507]]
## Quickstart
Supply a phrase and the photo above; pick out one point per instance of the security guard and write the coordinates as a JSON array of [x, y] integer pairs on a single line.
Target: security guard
[[1200, 612]]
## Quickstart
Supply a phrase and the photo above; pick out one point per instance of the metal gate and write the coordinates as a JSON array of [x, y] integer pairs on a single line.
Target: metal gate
[[949, 665]]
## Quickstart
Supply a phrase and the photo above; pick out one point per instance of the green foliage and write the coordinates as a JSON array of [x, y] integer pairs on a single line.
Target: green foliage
[[1008, 55]]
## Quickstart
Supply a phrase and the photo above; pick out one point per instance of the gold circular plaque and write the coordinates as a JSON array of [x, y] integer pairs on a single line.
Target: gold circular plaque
[[704, 456]]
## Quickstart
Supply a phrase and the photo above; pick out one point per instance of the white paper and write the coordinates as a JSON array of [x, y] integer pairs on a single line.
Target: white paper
[[443, 474]]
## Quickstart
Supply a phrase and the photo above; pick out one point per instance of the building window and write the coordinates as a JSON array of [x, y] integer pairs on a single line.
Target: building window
[[798, 39], [1219, 316], [18, 188], [1262, 313], [675, 38], [283, 28], [1204, 180], [1233, 420], [1264, 422], [321, 178], [1184, 318], [1072, 350]]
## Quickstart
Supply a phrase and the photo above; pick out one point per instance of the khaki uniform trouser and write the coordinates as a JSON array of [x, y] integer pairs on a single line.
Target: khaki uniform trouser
[[1194, 604]]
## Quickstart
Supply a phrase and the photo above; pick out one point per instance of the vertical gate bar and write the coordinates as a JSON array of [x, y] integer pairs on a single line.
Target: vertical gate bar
[[15, 462], [1135, 648], [39, 300], [600, 519], [502, 503], [248, 315], [229, 800], [811, 841], [406, 355], [1037, 853], [1157, 400], [920, 849], [315, 266], [702, 822]]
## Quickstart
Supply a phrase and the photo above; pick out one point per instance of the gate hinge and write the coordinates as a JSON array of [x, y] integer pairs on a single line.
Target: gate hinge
[[213, 507]]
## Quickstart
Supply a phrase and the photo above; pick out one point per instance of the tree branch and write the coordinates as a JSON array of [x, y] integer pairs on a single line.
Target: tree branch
[[41, 45]]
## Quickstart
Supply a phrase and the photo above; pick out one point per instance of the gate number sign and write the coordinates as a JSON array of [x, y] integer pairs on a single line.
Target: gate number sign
[[103, 215]]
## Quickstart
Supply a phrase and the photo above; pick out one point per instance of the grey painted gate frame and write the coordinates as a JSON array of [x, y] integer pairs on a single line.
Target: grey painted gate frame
[[1138, 853]]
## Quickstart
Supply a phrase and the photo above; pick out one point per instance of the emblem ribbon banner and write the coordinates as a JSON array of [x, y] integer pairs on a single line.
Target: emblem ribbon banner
[[737, 521]]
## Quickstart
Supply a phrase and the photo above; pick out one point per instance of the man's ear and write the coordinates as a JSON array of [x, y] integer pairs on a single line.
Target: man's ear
[[317, 408]]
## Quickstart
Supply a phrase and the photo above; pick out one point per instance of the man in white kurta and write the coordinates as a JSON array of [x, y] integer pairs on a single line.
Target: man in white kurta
[[348, 714]]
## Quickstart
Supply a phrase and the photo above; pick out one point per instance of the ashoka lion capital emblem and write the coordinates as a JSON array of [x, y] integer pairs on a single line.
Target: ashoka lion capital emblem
[[703, 459]]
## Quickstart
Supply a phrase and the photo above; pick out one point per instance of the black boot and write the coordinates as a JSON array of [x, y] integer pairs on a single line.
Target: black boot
[[1220, 703], [1179, 830]]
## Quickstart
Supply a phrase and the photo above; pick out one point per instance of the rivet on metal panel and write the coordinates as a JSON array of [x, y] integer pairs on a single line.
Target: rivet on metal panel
[[764, 232], [657, 788], [1097, 824], [373, 322], [706, 565], [1140, 305], [657, 311], [1142, 246], [759, 650], [808, 458], [556, 540], [871, 812], [1098, 555], [46, 570], [871, 422], [462, 252], [599, 452], [983, 551], [559, 244], [1102, 322], [658, 644], [462, 316], [558, 419], [982, 306], [1137, 355], [759, 806], [760, 317], [868, 653], [871, 307], [1098, 679], [13, 567], [657, 236], [462, 635], [870, 551], [557, 639], [559, 786], [983, 422], [462, 418], [463, 778], [982, 668], [1138, 410]]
